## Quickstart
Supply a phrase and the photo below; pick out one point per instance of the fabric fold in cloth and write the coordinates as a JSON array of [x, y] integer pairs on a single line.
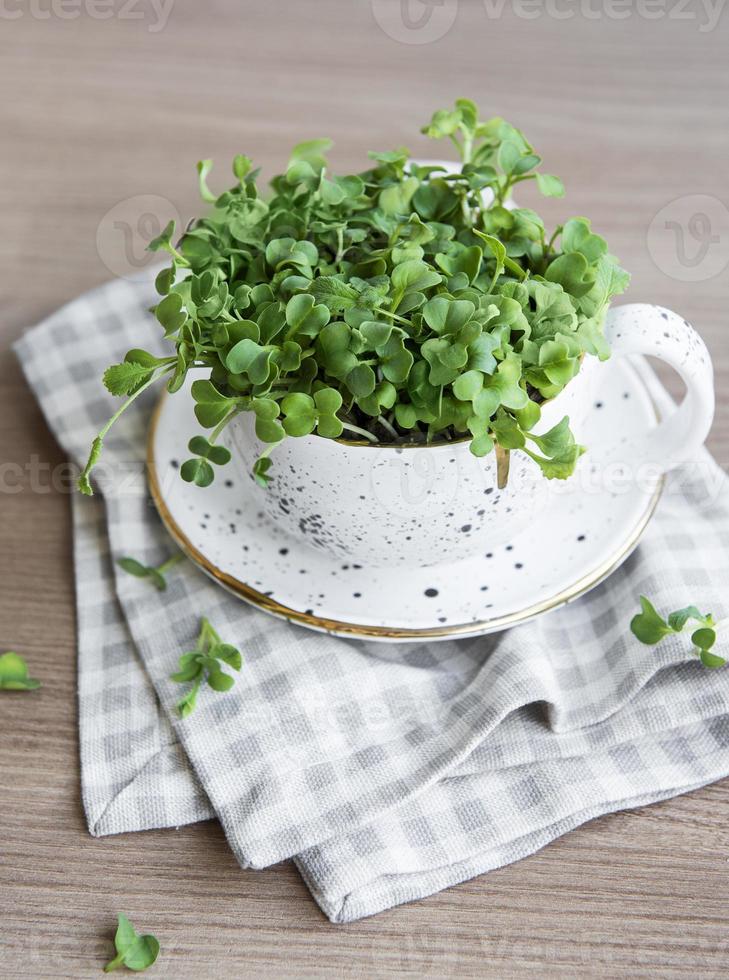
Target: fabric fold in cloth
[[387, 771]]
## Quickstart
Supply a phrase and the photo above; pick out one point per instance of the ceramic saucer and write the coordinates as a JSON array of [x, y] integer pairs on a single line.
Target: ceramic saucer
[[588, 530]]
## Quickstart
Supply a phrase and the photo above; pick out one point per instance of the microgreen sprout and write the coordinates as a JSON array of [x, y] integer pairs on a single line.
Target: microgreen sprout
[[155, 574], [14, 675], [204, 664], [402, 303], [650, 628], [132, 951]]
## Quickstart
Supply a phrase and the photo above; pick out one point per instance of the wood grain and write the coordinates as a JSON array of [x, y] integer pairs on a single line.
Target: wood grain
[[95, 112]]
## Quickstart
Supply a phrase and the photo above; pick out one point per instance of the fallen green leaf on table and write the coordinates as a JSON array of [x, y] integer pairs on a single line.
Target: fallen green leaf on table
[[134, 952], [14, 673], [204, 664], [650, 628], [156, 574]]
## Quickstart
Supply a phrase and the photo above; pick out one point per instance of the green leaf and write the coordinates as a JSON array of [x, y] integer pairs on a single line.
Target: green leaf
[[395, 360], [468, 385], [133, 567], [498, 249], [220, 455], [163, 241], [506, 431], [125, 934], [170, 313], [447, 316], [649, 626], [704, 638], [269, 430], [260, 471], [572, 272], [197, 471], [446, 360], [559, 467], [144, 358], [481, 445], [550, 186], [281, 252], [189, 669], [157, 580], [578, 237], [300, 418], [465, 262], [83, 483], [304, 317], [677, 620], [406, 415], [395, 198], [336, 295], [211, 406], [241, 166], [186, 705], [328, 400], [443, 123], [414, 275], [468, 111], [14, 675], [481, 353], [203, 169], [375, 334], [165, 280], [329, 426], [528, 416], [711, 660], [361, 380], [142, 954], [228, 654], [220, 681], [135, 952], [243, 355], [508, 156], [266, 409], [311, 152], [203, 664], [123, 379], [506, 383], [557, 440]]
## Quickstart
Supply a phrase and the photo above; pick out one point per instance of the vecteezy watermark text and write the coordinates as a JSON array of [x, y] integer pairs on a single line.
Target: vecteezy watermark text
[[427, 21], [126, 477], [155, 12], [705, 12]]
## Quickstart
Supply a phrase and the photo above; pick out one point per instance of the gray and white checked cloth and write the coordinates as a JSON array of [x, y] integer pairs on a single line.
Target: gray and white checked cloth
[[387, 772]]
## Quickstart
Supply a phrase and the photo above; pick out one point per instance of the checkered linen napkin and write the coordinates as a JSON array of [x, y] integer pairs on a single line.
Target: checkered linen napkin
[[387, 771]]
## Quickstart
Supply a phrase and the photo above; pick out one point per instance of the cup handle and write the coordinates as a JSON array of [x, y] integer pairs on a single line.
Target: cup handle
[[640, 328]]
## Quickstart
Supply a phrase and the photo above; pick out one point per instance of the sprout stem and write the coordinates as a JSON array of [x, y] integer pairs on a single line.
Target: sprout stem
[[169, 563], [386, 425], [360, 432]]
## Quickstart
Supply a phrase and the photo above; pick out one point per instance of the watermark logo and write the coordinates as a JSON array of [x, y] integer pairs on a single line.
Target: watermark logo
[[688, 239], [415, 21], [126, 229], [155, 13]]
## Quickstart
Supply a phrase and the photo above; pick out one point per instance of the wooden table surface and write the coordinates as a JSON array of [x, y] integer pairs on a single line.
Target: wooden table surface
[[101, 123]]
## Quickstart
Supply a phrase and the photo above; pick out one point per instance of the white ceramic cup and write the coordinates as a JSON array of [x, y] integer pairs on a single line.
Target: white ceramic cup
[[422, 505]]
